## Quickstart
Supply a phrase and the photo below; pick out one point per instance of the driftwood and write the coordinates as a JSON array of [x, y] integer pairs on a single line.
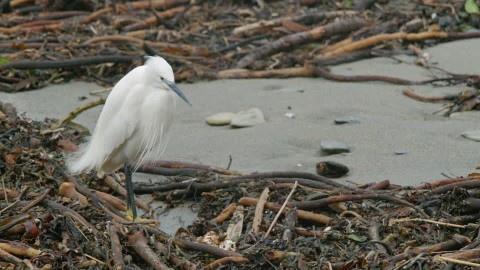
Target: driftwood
[[286, 42], [322, 219], [138, 242], [282, 43]]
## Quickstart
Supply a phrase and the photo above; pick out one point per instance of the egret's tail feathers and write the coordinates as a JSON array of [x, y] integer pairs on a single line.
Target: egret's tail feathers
[[81, 161]]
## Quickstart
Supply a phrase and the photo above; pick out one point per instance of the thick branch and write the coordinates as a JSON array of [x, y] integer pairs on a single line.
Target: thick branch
[[70, 63], [336, 28]]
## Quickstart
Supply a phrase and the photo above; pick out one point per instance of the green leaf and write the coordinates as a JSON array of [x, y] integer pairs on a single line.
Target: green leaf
[[357, 238], [3, 61], [471, 7], [347, 4]]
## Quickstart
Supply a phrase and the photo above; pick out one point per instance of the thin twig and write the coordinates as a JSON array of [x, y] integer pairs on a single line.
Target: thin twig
[[71, 115], [393, 221], [456, 261], [37, 201], [281, 210]]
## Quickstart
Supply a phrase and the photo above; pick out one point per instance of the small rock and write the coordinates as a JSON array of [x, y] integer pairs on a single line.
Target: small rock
[[446, 21], [334, 147], [346, 120], [220, 119], [472, 135], [127, 259], [248, 118], [331, 169], [400, 152], [290, 115]]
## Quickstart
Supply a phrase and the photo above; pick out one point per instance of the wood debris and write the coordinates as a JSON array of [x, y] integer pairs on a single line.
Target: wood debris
[[287, 220]]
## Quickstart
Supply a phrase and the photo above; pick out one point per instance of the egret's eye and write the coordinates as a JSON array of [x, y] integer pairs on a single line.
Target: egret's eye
[[161, 78]]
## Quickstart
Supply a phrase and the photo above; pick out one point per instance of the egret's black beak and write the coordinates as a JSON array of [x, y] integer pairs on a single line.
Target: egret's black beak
[[177, 90]]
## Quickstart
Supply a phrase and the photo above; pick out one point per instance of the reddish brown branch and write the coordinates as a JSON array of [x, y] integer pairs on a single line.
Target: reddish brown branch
[[195, 187], [10, 193], [409, 93], [317, 204], [169, 13], [468, 184], [336, 28], [189, 165], [292, 174], [179, 262], [116, 247], [444, 182], [306, 215], [226, 213], [9, 222], [252, 74], [140, 244], [224, 261], [385, 184], [457, 242]]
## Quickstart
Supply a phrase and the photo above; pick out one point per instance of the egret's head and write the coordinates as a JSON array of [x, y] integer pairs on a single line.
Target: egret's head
[[161, 73], [160, 68]]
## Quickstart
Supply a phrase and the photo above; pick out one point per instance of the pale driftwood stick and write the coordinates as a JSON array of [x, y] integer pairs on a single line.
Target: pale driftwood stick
[[257, 219], [71, 115], [5, 256]]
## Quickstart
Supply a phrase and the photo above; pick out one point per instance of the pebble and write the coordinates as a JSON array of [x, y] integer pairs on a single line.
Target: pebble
[[472, 135], [334, 147], [346, 120], [290, 115], [400, 152], [220, 119], [248, 118], [331, 169]]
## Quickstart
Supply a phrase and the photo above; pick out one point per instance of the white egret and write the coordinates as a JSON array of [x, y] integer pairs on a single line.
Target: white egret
[[132, 127]]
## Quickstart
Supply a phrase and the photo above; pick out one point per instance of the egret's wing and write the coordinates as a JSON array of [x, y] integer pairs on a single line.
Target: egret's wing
[[118, 95], [117, 126], [116, 123]]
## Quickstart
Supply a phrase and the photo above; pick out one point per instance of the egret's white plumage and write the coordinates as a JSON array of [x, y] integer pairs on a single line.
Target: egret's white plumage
[[133, 124]]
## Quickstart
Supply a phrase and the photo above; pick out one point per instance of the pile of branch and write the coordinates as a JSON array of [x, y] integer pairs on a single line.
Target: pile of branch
[[93, 40], [287, 220]]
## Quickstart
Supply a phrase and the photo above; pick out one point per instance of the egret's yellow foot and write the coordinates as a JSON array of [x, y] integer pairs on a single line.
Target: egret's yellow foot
[[129, 217]]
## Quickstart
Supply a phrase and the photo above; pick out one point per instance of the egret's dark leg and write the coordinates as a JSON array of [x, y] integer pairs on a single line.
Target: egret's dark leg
[[131, 207]]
